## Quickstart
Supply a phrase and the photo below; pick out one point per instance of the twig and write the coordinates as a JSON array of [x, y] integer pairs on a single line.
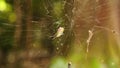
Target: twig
[[89, 39]]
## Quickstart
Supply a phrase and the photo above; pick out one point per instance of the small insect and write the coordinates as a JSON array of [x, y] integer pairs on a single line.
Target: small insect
[[69, 65], [59, 32]]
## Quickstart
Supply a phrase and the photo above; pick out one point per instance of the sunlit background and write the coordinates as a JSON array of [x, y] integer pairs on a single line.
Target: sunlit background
[[59, 33]]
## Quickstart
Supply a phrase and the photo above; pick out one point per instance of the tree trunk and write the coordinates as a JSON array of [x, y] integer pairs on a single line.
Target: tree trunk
[[29, 29], [18, 25]]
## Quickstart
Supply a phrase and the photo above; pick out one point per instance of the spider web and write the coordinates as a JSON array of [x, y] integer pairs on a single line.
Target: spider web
[[82, 19]]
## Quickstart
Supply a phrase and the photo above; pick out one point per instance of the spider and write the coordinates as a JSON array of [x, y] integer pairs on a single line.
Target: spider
[[59, 32]]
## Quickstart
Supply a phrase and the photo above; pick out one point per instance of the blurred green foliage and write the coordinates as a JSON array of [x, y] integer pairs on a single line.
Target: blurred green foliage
[[6, 26], [58, 62]]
